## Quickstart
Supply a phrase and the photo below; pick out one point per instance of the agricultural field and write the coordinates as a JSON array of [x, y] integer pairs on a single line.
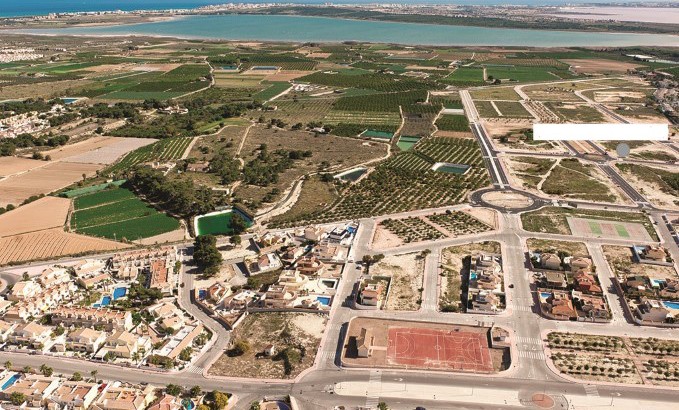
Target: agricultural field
[[628, 360], [459, 223], [453, 123], [406, 182], [296, 111], [151, 85], [266, 179], [390, 102], [36, 231], [118, 214], [412, 229], [370, 81], [163, 150], [43, 180], [272, 90]]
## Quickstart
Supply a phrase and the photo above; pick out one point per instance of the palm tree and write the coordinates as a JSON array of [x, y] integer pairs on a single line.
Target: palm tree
[[93, 373], [43, 368], [135, 357], [8, 365]]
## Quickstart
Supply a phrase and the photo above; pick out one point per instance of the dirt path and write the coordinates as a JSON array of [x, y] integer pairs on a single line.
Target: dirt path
[[547, 174]]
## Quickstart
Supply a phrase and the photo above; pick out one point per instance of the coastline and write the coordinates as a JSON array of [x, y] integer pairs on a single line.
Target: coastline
[[391, 35]]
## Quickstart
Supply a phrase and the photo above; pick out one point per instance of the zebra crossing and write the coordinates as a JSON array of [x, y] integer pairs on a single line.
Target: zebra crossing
[[327, 355], [534, 355], [522, 308], [528, 340], [372, 396], [194, 369], [591, 390]]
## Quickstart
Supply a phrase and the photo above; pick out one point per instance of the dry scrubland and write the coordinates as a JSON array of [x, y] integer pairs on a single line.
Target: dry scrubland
[[407, 273], [295, 337]]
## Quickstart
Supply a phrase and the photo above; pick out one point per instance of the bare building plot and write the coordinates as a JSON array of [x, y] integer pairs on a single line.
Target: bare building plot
[[108, 153], [597, 228], [53, 176], [47, 212]]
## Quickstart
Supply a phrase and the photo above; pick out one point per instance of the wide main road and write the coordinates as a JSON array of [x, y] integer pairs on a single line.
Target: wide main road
[[497, 173]]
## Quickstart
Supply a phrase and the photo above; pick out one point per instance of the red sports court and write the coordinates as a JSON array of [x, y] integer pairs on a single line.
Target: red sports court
[[439, 349]]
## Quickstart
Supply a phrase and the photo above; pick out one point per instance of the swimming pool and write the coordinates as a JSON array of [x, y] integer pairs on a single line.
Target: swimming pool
[[119, 293], [69, 100], [545, 295], [11, 381], [473, 275], [324, 300], [671, 305]]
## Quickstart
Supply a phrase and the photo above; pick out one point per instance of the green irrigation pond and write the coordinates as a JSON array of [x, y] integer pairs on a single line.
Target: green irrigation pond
[[218, 223]]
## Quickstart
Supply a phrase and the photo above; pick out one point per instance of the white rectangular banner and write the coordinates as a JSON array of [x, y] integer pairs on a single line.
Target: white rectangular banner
[[600, 132]]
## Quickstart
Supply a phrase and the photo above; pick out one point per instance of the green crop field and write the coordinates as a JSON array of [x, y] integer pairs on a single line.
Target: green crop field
[[452, 123], [273, 90], [163, 150], [372, 81], [151, 85], [116, 214], [380, 102]]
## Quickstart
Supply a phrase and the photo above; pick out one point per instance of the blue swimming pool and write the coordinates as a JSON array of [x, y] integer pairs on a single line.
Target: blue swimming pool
[[11, 381], [105, 301], [473, 275], [119, 293], [325, 301], [69, 100], [545, 295], [671, 305], [202, 294]]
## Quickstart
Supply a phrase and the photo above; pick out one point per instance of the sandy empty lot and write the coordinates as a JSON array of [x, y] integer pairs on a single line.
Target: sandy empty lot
[[53, 176], [45, 213], [14, 165], [600, 66], [81, 147], [51, 243], [110, 151]]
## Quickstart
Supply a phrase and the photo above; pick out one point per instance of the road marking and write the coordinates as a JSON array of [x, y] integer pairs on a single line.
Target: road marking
[[372, 395], [591, 390], [529, 340], [328, 355], [194, 369], [531, 355]]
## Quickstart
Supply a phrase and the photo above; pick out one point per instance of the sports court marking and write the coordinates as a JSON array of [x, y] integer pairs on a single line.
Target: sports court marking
[[438, 349], [600, 228]]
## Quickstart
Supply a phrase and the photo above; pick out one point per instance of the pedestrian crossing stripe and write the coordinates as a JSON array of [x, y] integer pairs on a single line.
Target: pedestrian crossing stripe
[[528, 340], [531, 355], [591, 390], [194, 370]]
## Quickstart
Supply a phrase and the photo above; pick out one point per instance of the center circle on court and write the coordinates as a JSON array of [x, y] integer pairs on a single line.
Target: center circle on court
[[542, 400]]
